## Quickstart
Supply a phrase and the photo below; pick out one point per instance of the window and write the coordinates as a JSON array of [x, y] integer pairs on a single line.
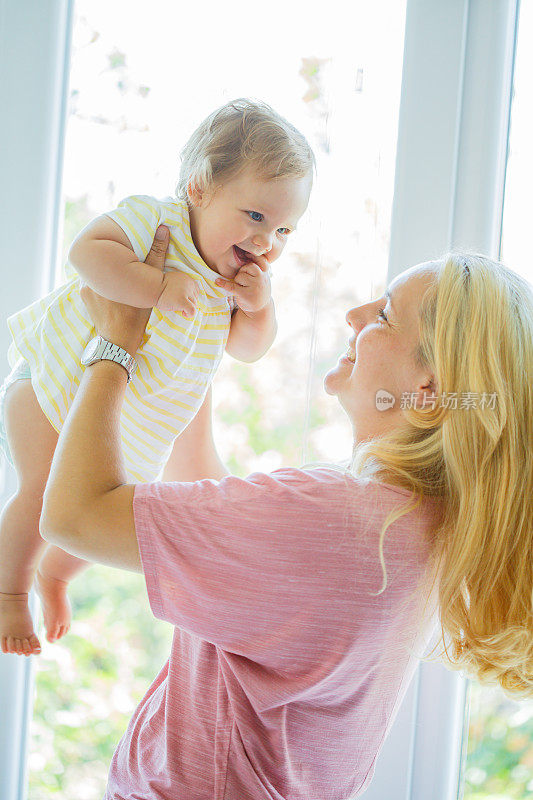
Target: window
[[499, 755], [132, 106], [88, 684]]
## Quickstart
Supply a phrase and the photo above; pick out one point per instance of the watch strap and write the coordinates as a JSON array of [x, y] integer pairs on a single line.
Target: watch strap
[[112, 352], [107, 351]]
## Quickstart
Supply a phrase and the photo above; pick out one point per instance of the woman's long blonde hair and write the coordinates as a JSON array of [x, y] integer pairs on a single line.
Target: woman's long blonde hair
[[476, 336]]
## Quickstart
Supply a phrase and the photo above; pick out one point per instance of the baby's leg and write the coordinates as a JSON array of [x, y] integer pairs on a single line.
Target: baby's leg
[[56, 569], [32, 441]]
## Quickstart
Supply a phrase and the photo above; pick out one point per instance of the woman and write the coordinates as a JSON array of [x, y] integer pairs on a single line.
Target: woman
[[289, 661]]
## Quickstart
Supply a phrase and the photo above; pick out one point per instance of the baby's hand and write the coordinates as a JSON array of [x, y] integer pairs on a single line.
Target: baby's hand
[[250, 286], [180, 293]]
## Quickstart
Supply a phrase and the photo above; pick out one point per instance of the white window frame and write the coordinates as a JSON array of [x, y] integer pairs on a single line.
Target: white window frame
[[35, 67], [449, 187], [449, 190]]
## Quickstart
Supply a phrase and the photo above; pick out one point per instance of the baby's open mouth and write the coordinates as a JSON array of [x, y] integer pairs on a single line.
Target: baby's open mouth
[[242, 256]]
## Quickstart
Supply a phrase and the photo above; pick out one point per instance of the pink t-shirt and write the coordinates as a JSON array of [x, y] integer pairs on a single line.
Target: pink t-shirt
[[285, 672]]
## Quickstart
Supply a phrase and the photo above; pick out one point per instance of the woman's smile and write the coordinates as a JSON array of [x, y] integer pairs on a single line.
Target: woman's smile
[[350, 353]]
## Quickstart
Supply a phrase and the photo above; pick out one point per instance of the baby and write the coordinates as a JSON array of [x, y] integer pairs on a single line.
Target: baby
[[244, 183]]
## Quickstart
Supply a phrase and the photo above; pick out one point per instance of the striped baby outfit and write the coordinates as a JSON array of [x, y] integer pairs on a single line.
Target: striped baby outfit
[[176, 360]]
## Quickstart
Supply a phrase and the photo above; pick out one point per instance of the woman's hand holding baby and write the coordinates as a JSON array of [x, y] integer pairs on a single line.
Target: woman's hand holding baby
[[250, 286], [122, 324], [180, 293]]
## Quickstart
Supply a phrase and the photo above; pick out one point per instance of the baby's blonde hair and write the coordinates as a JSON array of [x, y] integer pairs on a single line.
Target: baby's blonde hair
[[476, 335], [243, 133]]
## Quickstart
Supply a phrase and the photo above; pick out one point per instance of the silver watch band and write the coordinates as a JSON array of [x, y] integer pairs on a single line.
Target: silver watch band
[[100, 349], [112, 352]]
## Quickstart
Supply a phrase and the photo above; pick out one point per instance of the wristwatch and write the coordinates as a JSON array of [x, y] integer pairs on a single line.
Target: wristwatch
[[99, 349]]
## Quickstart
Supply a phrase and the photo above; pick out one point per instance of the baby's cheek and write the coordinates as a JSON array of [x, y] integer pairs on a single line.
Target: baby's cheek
[[276, 251]]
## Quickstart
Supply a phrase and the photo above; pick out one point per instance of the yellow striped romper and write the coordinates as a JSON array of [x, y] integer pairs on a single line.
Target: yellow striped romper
[[176, 361]]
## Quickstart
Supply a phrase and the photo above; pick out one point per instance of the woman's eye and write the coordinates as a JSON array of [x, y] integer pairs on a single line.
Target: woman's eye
[[255, 215], [382, 315], [284, 231]]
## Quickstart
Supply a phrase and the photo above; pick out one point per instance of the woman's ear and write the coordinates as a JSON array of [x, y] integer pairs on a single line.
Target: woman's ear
[[427, 389]]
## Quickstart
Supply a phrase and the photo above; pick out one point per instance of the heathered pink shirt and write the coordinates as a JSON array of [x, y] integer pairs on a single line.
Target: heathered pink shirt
[[285, 672]]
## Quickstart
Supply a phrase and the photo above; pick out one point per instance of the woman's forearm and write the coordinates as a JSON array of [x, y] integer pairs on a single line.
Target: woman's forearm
[[87, 505], [88, 459], [114, 271]]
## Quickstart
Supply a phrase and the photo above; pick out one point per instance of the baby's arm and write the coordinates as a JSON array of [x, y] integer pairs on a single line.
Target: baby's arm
[[102, 254], [253, 324], [251, 333]]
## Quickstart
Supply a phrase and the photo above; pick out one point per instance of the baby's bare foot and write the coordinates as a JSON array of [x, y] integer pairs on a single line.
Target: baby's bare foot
[[16, 625], [55, 604]]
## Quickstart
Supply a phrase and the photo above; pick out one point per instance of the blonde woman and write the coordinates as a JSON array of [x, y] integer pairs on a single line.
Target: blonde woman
[[293, 648]]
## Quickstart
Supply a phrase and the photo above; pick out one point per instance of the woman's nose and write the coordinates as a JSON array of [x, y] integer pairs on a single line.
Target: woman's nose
[[352, 317], [357, 318]]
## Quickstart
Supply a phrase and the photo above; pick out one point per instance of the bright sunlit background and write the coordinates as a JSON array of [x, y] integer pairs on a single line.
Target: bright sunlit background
[[142, 78], [134, 103]]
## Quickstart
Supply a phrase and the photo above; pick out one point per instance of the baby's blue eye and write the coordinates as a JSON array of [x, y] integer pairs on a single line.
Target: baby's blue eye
[[256, 216], [284, 231]]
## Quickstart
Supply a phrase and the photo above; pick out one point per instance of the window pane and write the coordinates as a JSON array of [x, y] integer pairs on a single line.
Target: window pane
[[499, 753], [499, 757], [516, 240], [138, 90]]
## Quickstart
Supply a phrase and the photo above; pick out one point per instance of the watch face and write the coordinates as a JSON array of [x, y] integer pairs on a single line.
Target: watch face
[[90, 350]]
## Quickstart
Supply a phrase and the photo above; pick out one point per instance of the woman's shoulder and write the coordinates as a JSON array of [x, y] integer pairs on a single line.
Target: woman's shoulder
[[333, 482], [326, 480], [316, 488], [288, 486], [336, 476], [314, 475]]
